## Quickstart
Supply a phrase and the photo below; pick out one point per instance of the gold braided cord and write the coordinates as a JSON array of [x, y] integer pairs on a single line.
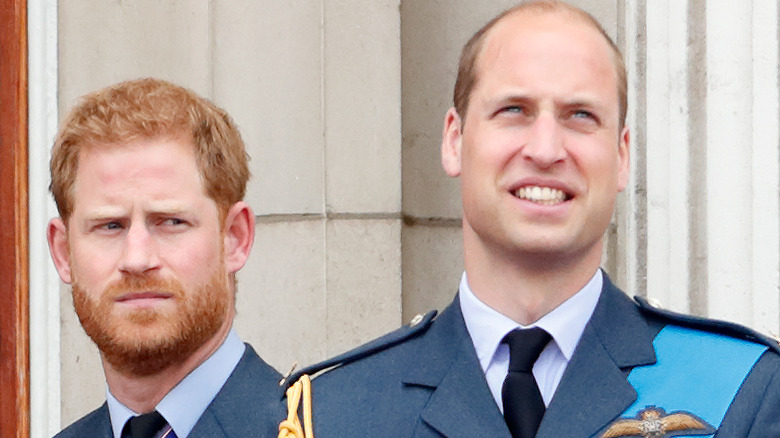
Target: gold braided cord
[[291, 427]]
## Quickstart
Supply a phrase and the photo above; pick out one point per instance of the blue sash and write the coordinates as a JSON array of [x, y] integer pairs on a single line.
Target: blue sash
[[697, 372]]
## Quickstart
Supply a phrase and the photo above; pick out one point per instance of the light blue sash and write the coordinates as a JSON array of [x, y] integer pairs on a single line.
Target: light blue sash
[[697, 372]]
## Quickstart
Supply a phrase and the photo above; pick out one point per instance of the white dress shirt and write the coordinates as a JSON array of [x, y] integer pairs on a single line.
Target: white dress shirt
[[565, 324], [184, 405]]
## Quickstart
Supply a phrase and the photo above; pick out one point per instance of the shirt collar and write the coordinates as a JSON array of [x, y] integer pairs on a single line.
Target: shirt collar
[[186, 402], [565, 324]]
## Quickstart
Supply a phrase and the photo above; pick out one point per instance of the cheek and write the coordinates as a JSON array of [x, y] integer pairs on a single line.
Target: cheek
[[481, 159], [497, 150], [91, 269], [194, 260], [598, 166]]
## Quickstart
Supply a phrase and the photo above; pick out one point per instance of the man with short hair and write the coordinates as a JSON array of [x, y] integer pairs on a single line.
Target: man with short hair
[[149, 180], [538, 341]]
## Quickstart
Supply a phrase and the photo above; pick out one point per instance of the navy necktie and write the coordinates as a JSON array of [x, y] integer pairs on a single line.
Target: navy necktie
[[523, 404], [149, 425]]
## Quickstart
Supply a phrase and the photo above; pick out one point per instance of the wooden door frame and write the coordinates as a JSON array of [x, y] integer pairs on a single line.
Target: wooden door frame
[[14, 259]]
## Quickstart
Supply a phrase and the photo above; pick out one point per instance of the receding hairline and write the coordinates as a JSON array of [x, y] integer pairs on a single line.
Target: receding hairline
[[552, 8], [573, 15], [542, 9]]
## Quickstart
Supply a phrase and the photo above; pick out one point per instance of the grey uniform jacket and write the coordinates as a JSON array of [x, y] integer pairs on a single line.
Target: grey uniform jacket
[[246, 406], [425, 380]]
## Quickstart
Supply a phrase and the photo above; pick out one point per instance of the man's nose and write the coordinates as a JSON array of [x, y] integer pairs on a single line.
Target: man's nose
[[140, 251], [544, 146]]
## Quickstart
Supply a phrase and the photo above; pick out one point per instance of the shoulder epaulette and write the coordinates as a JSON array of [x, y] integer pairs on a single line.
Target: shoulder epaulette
[[710, 325], [419, 324]]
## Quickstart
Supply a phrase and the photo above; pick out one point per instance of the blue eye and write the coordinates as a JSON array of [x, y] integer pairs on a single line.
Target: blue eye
[[514, 109], [173, 221], [107, 227], [112, 226], [583, 114]]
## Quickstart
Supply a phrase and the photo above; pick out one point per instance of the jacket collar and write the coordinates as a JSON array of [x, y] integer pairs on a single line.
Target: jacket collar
[[592, 392], [448, 365], [248, 404]]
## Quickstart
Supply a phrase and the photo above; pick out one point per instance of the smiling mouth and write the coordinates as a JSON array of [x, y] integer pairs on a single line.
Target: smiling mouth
[[542, 195]]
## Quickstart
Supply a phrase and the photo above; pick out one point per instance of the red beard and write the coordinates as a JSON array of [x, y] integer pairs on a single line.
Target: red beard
[[147, 340]]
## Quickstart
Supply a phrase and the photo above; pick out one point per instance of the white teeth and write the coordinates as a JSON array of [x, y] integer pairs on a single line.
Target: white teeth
[[541, 195]]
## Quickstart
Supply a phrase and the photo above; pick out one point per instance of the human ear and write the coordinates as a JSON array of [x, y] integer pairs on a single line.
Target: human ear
[[57, 236], [239, 235], [451, 140], [624, 159]]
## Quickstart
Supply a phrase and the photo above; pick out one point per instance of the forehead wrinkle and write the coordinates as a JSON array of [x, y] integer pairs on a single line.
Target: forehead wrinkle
[[502, 87], [589, 100], [584, 99]]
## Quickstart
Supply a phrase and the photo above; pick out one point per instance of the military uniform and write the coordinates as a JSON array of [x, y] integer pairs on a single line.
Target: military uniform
[[246, 406], [424, 380]]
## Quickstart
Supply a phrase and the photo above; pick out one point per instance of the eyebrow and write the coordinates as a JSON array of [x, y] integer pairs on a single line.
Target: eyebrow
[[104, 212], [512, 97], [167, 207], [519, 96], [163, 207], [581, 101]]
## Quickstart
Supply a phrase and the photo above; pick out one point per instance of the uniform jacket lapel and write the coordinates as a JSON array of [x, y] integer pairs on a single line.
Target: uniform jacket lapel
[[594, 391], [95, 424], [100, 425], [247, 406], [461, 404]]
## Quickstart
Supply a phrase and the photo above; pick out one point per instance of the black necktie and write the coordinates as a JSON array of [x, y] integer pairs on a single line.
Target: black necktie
[[144, 426], [523, 404]]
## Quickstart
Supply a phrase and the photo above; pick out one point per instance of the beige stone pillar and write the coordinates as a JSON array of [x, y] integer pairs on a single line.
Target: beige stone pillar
[[699, 227]]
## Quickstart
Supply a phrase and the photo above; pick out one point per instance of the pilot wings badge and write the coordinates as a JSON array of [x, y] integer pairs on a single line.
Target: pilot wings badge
[[654, 422]]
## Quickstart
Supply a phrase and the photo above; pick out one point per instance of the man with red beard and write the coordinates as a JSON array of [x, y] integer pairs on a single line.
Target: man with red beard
[[149, 180]]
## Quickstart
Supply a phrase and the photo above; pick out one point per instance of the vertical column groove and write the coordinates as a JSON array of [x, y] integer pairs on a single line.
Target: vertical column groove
[[697, 94]]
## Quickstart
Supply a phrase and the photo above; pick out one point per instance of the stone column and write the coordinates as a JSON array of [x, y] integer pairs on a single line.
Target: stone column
[[702, 210]]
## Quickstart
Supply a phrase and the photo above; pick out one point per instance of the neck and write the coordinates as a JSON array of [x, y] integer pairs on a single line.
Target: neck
[[526, 287], [143, 393]]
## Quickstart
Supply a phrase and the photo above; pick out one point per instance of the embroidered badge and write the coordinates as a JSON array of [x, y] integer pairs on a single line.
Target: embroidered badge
[[653, 422]]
